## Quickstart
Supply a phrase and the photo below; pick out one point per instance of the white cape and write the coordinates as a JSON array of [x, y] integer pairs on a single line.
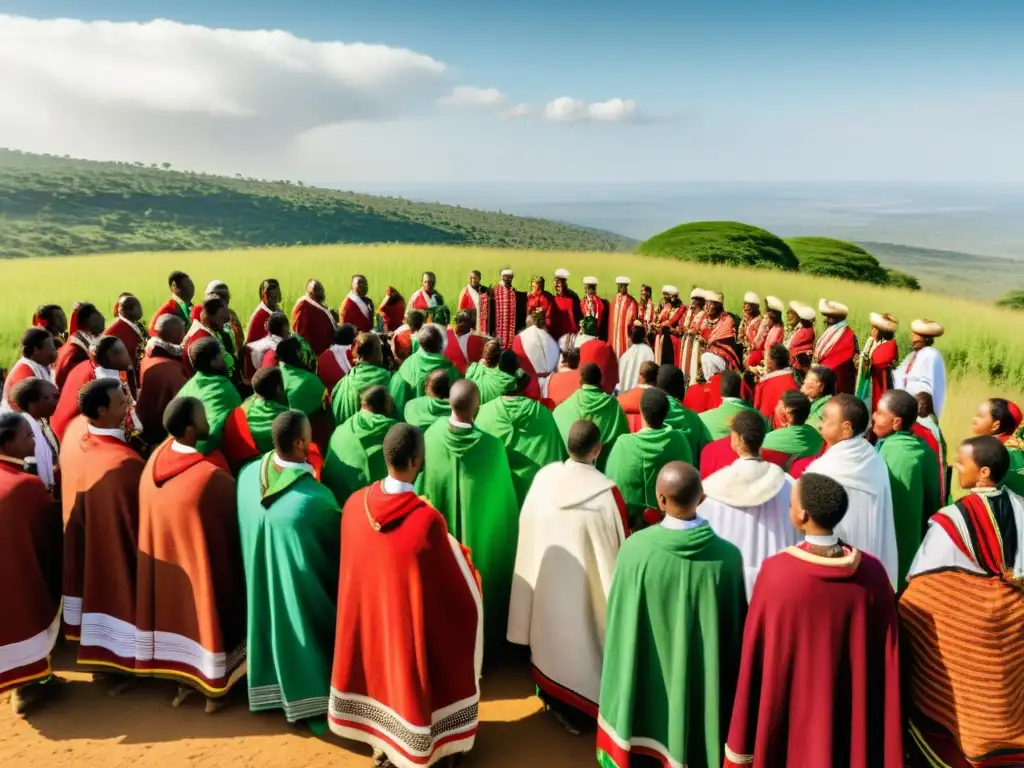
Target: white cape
[[927, 374], [629, 365], [869, 524], [747, 504], [570, 532], [543, 352]]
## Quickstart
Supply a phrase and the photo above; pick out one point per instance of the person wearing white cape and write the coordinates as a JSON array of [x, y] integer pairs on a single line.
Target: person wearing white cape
[[747, 502], [853, 462], [632, 359], [538, 346], [924, 370]]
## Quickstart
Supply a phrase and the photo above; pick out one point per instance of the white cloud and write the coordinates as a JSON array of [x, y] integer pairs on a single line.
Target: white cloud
[[566, 109], [471, 96], [520, 110]]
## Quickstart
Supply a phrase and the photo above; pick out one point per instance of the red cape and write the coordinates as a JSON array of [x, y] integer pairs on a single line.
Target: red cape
[[202, 333], [402, 343], [883, 359], [603, 356], [565, 314], [133, 341], [409, 640], [802, 341], [841, 358], [393, 313], [351, 313], [161, 377], [704, 397], [809, 614], [328, 370], [68, 357], [16, 374], [532, 390], [169, 307], [719, 454], [474, 347], [770, 390], [543, 301], [314, 324], [562, 385], [257, 325], [67, 403], [630, 404]]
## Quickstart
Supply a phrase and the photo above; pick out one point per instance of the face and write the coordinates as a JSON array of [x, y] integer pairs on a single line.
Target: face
[[506, 280], [474, 280], [751, 309], [918, 342], [782, 415], [273, 297], [360, 286], [590, 290], [714, 309], [833, 429], [983, 423], [428, 282], [645, 294], [112, 416], [536, 287], [924, 404], [560, 285], [970, 474], [770, 365], [47, 353], [791, 317], [875, 333], [119, 358], [812, 386], [47, 403], [622, 289], [883, 423], [665, 298], [219, 319]]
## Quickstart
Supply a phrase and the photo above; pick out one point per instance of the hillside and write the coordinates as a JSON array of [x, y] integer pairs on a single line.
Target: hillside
[[53, 206], [722, 242], [837, 258]]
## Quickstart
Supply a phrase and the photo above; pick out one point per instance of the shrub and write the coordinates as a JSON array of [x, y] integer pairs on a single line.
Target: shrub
[[722, 242], [837, 258]]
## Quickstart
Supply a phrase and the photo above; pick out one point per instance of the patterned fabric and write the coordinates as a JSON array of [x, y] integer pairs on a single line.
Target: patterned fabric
[[505, 315]]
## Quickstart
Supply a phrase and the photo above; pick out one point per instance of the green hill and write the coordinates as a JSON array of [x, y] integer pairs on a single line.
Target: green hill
[[837, 258], [57, 206], [722, 242]]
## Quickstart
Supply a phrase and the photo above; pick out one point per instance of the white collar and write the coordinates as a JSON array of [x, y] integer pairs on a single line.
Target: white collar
[[458, 424], [675, 524], [392, 486], [185, 449], [118, 432], [822, 541], [107, 373], [282, 464]]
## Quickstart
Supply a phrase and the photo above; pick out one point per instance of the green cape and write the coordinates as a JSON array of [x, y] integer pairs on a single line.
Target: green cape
[[355, 456], [719, 420], [635, 462], [219, 398], [467, 479], [914, 479], [409, 379], [492, 382], [260, 415], [688, 422], [422, 412], [814, 420], [290, 535], [362, 376], [589, 403], [530, 436], [799, 441], [672, 644], [1014, 479], [305, 391]]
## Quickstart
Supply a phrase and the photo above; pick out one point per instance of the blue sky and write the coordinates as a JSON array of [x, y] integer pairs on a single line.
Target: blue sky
[[740, 90]]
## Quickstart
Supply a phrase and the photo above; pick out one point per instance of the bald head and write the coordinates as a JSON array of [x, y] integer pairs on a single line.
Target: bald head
[[170, 328], [438, 384], [679, 490], [464, 398]]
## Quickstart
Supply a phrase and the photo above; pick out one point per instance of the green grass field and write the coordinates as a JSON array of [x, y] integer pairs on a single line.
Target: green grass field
[[981, 346]]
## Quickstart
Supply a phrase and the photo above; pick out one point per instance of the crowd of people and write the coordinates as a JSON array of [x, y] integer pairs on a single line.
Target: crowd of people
[[714, 539]]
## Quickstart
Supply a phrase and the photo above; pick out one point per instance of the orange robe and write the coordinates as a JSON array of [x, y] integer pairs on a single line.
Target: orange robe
[[562, 385]]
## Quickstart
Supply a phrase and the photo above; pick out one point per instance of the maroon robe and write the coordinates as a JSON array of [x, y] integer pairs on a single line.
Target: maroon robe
[[67, 401], [819, 681], [30, 572], [409, 644], [100, 500], [313, 322], [161, 376], [769, 391]]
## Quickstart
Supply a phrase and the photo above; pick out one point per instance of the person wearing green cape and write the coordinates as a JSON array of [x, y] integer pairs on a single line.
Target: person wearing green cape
[[354, 457], [718, 420], [590, 403], [913, 473], [367, 372], [210, 386], [524, 426], [422, 412], [637, 458], [303, 388], [795, 438], [409, 380], [290, 531], [820, 386], [672, 381], [487, 375], [468, 480], [247, 432], [672, 646]]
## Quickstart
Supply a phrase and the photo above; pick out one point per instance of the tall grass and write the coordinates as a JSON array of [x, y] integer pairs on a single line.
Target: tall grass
[[982, 346]]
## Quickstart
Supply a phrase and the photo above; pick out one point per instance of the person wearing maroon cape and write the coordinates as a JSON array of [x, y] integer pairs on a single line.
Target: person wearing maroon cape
[[30, 569], [777, 380], [127, 326], [85, 327], [409, 646], [837, 346], [630, 401], [270, 302], [312, 320], [357, 308], [338, 359], [819, 682], [719, 454], [161, 375], [799, 336], [183, 290]]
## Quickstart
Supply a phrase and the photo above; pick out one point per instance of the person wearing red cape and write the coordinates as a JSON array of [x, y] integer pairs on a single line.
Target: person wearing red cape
[[128, 328], [538, 299], [337, 360], [474, 296], [183, 290], [877, 360], [108, 359], [161, 375], [668, 328], [51, 317], [819, 647], [409, 646], [312, 320], [465, 346], [592, 305], [38, 353], [800, 338], [837, 347], [777, 380], [30, 569], [86, 326], [507, 310], [357, 308], [630, 401], [391, 311], [565, 309], [270, 302], [750, 326], [623, 313]]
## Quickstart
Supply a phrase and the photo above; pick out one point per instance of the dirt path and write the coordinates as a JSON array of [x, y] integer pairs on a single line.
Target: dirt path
[[139, 729]]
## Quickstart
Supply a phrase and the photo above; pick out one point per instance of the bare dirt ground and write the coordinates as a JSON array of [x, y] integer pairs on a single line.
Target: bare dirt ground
[[86, 727]]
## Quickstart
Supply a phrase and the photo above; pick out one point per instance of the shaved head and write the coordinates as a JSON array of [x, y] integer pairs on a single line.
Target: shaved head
[[170, 328], [679, 490], [464, 398], [438, 384]]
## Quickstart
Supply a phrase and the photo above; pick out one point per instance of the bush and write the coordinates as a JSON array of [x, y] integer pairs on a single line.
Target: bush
[[837, 258], [899, 279], [722, 242], [1012, 300]]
